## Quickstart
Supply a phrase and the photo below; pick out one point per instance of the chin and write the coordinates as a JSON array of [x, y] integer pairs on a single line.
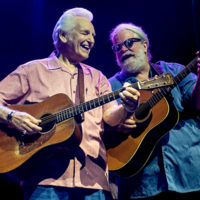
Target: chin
[[82, 58], [131, 67]]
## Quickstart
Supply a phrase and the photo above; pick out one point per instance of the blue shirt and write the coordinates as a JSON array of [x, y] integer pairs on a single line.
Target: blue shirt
[[175, 164]]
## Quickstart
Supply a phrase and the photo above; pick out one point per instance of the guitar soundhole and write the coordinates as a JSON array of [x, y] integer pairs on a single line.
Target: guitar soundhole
[[143, 111], [28, 143], [48, 122]]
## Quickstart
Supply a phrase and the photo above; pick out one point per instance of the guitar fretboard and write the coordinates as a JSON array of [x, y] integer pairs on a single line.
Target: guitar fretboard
[[177, 79], [73, 111], [89, 105]]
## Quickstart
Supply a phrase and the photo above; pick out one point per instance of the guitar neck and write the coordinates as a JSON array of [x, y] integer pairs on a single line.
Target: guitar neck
[[189, 68], [89, 105], [177, 79], [155, 82]]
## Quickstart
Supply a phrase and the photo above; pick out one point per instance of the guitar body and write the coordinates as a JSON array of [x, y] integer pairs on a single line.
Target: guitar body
[[16, 149], [129, 153]]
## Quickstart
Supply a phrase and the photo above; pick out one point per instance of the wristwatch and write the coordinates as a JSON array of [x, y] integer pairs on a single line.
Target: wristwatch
[[10, 115]]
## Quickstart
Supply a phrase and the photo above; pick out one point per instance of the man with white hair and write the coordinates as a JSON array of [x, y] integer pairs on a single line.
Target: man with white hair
[[58, 174], [173, 170]]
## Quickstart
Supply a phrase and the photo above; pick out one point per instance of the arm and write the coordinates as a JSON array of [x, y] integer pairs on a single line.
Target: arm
[[13, 88], [118, 113], [20, 120]]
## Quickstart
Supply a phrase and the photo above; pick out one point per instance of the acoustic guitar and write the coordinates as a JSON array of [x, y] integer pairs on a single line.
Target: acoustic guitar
[[156, 115], [58, 124]]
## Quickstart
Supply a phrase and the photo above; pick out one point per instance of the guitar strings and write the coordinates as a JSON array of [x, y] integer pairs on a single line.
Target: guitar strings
[[78, 109]]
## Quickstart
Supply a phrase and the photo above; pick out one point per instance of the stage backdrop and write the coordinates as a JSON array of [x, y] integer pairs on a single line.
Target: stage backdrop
[[173, 27]]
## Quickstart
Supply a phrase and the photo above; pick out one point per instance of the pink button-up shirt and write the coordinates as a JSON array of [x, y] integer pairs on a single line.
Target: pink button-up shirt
[[37, 80]]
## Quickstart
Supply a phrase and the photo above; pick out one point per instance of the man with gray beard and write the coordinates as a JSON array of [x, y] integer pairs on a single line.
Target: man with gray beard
[[173, 169]]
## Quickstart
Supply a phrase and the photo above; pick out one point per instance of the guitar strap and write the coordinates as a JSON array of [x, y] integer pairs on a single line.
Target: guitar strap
[[81, 91]]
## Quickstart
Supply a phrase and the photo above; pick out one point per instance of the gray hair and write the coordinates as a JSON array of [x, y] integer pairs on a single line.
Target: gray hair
[[66, 22], [132, 27]]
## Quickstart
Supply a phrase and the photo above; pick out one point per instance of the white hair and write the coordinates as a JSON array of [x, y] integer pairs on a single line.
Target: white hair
[[132, 27], [66, 22]]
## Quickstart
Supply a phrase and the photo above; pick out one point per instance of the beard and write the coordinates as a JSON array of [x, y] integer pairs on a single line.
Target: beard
[[133, 63]]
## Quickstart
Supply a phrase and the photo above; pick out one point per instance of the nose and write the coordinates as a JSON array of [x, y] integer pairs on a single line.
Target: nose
[[91, 40], [123, 48]]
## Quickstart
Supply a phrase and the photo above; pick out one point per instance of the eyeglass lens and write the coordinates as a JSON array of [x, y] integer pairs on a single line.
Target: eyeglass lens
[[127, 43]]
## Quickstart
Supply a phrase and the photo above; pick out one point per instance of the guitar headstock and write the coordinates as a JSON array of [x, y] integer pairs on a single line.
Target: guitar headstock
[[157, 81]]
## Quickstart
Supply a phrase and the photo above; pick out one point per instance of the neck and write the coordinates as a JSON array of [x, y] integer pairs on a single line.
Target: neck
[[67, 63], [144, 74]]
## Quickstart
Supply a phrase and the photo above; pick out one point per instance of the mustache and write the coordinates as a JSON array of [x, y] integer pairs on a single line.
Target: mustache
[[126, 55]]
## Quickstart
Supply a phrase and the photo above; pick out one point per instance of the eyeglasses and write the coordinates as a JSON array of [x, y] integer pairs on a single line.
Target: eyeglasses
[[127, 43]]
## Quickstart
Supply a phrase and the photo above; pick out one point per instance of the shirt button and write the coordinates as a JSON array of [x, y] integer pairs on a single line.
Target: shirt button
[[74, 92]]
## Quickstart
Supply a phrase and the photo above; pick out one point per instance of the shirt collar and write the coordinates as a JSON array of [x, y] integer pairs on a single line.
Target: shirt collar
[[54, 63]]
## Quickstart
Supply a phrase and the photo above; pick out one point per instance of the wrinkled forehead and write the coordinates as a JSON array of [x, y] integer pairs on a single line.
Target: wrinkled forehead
[[123, 35]]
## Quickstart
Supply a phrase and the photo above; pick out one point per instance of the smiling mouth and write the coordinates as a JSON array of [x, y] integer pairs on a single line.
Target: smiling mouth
[[86, 47], [126, 57]]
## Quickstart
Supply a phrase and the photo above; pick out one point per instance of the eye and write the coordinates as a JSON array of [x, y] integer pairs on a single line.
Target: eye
[[117, 47], [129, 43], [85, 32]]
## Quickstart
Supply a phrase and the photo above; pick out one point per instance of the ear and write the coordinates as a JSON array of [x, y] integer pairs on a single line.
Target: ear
[[145, 46], [63, 36]]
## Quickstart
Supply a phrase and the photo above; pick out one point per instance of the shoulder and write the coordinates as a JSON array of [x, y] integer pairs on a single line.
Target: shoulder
[[33, 63], [115, 78], [89, 68], [37, 61], [115, 81], [29, 67], [172, 67], [92, 71], [176, 68]]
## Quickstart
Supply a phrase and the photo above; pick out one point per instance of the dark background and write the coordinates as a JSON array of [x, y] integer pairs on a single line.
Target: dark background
[[26, 26], [173, 27]]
